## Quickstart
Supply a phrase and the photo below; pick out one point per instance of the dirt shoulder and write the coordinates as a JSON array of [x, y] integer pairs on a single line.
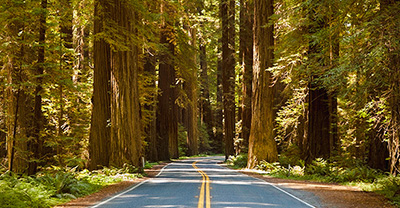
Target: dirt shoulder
[[330, 195], [110, 190]]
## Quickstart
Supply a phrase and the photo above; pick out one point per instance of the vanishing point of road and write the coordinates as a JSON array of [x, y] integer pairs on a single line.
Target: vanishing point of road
[[203, 183]]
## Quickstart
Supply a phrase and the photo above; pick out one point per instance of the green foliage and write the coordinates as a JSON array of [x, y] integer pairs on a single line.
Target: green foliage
[[388, 186], [291, 156], [182, 140], [239, 161], [57, 185]]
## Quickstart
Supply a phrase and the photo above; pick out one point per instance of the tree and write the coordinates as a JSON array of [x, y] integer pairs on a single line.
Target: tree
[[227, 12], [167, 111], [37, 143], [191, 89], [246, 60], [116, 129], [262, 145], [126, 130], [100, 130]]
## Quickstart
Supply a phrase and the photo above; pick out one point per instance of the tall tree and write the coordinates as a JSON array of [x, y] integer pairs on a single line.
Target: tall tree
[[322, 104], [100, 130], [390, 10], [227, 12], [38, 121], [167, 111], [262, 145], [191, 89], [126, 131], [246, 62]]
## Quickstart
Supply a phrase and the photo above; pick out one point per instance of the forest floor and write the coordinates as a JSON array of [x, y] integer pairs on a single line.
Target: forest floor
[[330, 195]]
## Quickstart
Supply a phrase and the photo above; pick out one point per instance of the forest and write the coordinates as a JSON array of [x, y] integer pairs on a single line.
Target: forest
[[94, 84]]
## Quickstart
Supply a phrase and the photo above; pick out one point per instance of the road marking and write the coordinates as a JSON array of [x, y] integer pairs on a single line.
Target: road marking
[[280, 189], [206, 183], [120, 194]]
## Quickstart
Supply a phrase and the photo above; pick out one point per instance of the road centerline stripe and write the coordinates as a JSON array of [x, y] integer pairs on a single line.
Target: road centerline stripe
[[205, 183]]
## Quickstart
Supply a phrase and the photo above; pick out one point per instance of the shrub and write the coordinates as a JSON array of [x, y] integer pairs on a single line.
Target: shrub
[[239, 161]]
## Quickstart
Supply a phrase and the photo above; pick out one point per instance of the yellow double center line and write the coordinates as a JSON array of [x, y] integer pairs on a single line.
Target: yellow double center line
[[205, 183]]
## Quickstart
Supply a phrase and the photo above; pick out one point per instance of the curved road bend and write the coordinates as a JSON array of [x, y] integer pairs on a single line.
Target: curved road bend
[[202, 183]]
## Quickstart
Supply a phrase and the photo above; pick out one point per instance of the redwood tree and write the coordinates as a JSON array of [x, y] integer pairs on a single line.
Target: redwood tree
[[262, 145], [227, 12]]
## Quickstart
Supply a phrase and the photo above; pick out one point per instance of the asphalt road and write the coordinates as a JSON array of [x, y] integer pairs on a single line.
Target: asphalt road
[[203, 183]]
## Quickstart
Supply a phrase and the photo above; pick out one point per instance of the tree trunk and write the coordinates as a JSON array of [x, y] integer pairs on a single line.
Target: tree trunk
[[322, 137], [19, 96], [126, 132], [227, 10], [100, 130], [391, 38], [37, 143], [246, 59], [167, 114], [262, 145], [192, 110]]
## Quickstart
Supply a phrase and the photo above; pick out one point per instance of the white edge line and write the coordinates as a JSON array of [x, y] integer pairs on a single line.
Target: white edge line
[[122, 193], [287, 193], [293, 196]]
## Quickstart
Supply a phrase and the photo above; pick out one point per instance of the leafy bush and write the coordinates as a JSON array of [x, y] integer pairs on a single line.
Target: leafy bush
[[239, 161], [57, 185], [318, 167]]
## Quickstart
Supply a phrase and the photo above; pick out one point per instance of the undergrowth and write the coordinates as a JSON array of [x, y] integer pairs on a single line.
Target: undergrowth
[[351, 172], [337, 170], [56, 185]]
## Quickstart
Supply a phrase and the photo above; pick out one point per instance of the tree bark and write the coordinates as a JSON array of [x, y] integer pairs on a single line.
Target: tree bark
[[100, 130], [126, 133], [246, 59], [192, 110], [391, 38], [227, 9], [37, 143], [262, 145], [167, 114]]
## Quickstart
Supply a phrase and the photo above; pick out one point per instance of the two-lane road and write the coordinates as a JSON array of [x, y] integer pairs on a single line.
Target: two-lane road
[[202, 183]]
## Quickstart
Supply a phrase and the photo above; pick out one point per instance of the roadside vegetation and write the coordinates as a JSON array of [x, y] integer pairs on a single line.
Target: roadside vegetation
[[56, 185], [336, 170]]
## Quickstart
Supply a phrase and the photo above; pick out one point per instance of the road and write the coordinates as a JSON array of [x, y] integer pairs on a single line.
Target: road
[[203, 183]]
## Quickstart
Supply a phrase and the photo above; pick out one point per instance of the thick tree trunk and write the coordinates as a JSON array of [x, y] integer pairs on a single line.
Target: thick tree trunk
[[262, 145], [391, 38], [126, 133], [192, 110], [227, 10], [246, 60], [19, 97], [167, 112], [100, 130], [37, 143], [318, 144]]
